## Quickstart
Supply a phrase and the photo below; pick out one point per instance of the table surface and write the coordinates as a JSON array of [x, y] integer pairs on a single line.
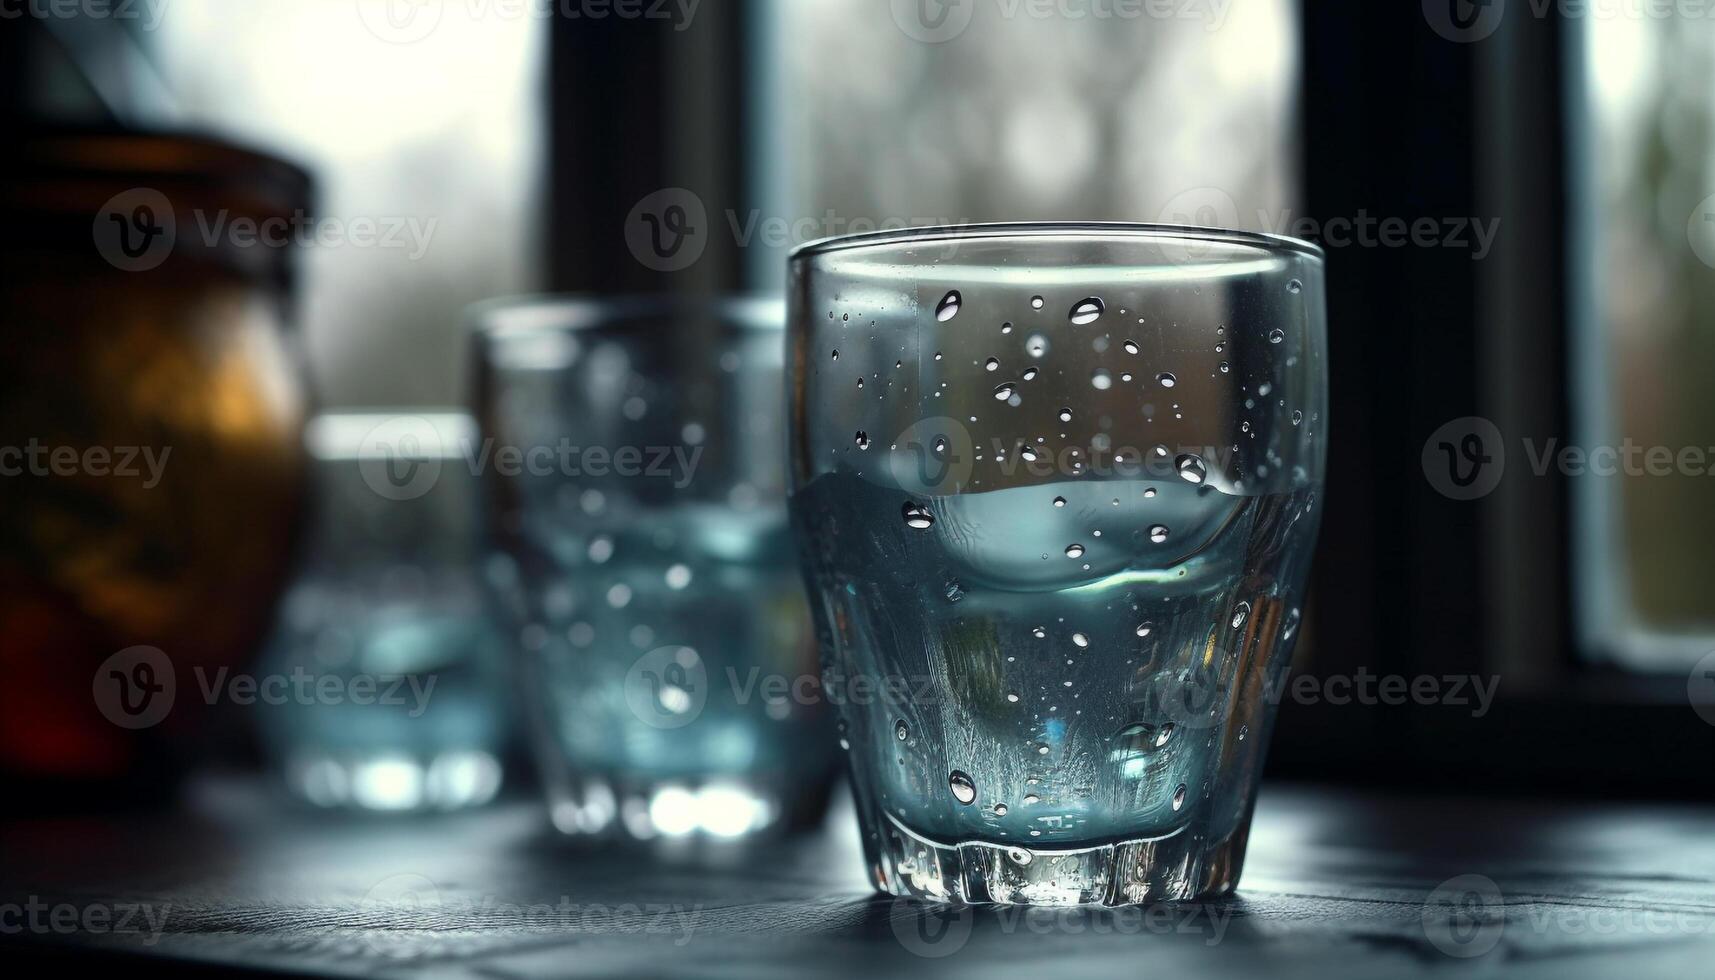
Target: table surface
[[1337, 883]]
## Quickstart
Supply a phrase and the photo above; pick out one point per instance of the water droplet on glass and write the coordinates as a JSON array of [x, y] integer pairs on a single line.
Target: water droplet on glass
[[1003, 392], [1158, 533], [1018, 855], [992, 364], [949, 307], [1012, 698], [963, 789], [1225, 367], [1080, 639], [1039, 632], [1295, 287], [1101, 380], [1031, 799], [1000, 809], [1086, 311], [1166, 380], [1165, 735], [1030, 374], [1074, 551], [1130, 346], [1240, 611], [1036, 302], [1065, 415], [862, 439], [1027, 454], [1297, 417], [1144, 629], [1179, 798], [1059, 501], [900, 730], [836, 355], [918, 517], [1276, 335], [1148, 494], [1191, 468], [1041, 750]]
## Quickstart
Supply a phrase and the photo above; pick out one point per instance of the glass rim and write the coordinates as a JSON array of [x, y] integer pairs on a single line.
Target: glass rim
[[573, 312], [1276, 244]]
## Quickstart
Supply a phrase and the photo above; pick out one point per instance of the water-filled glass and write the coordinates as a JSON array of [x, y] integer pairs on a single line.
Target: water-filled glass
[[1055, 490], [635, 451]]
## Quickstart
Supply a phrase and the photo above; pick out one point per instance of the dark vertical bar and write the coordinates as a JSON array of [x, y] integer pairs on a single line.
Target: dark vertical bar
[[1389, 133], [639, 106]]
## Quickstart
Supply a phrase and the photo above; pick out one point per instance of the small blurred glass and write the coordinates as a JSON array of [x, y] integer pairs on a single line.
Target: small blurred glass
[[636, 455], [384, 686]]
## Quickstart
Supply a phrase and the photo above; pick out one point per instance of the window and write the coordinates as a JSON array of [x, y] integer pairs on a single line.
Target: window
[[1644, 287]]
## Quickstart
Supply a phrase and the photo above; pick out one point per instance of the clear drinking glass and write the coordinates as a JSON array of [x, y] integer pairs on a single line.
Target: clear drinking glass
[[636, 455], [1054, 490], [388, 659]]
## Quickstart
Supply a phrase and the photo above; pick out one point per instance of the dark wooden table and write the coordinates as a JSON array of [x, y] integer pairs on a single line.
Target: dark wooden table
[[1338, 884]]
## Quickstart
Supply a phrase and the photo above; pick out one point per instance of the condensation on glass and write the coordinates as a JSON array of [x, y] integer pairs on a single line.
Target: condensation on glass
[[1055, 490]]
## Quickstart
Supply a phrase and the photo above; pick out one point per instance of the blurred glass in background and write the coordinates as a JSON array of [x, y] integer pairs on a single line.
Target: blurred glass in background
[[388, 658], [637, 473], [1646, 282]]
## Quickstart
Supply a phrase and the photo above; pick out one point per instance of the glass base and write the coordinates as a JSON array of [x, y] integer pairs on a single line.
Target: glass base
[[670, 812], [1177, 867]]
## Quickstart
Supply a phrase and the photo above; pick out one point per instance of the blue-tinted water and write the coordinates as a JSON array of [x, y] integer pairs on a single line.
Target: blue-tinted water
[[1084, 659]]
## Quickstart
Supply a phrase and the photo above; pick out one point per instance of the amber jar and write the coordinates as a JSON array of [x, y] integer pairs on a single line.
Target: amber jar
[[151, 458]]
